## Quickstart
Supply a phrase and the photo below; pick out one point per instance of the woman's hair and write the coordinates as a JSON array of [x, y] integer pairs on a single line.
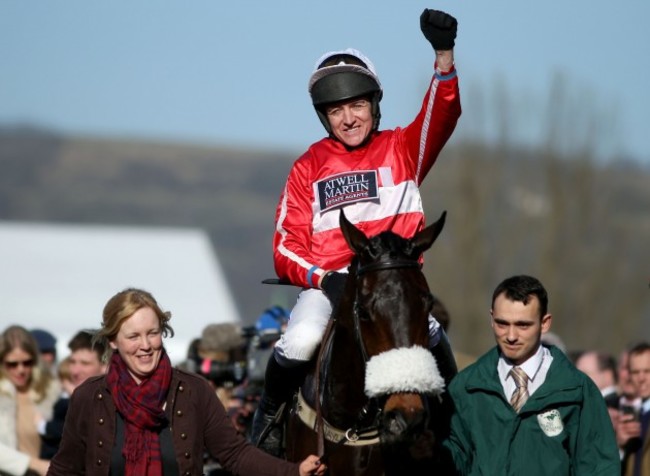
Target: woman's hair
[[17, 337], [122, 306]]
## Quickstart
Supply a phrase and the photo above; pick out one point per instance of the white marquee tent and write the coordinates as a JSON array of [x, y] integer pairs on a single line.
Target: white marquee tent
[[58, 277]]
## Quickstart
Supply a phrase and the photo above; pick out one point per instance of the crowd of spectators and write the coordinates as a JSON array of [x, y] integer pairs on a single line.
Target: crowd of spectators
[[36, 385]]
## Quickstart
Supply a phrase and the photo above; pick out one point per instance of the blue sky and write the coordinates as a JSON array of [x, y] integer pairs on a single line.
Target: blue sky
[[235, 72]]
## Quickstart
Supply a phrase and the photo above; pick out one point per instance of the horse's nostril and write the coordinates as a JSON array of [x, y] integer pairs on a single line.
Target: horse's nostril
[[395, 423]]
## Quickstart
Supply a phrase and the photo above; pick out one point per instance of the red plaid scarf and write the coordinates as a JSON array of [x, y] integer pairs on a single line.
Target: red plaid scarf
[[141, 407]]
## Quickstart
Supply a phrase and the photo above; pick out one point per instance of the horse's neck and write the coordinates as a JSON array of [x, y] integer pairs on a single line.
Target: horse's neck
[[343, 381]]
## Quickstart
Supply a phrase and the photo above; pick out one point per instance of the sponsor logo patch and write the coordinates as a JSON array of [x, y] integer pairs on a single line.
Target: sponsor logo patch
[[349, 187], [550, 422]]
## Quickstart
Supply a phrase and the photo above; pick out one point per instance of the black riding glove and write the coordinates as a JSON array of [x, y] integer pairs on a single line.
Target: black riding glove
[[439, 28], [333, 284]]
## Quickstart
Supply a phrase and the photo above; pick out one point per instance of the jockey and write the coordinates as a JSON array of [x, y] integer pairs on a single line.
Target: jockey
[[374, 175]]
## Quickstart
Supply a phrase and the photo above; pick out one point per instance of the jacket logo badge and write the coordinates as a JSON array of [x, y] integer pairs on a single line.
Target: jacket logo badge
[[349, 187], [550, 422]]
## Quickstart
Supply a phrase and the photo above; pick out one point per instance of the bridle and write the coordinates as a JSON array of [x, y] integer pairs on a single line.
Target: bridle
[[387, 264], [362, 270]]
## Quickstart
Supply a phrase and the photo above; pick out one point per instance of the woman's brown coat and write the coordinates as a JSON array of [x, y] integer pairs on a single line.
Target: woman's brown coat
[[198, 422]]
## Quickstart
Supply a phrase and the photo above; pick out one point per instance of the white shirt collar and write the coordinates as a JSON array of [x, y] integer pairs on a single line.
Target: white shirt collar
[[530, 366], [536, 367], [645, 406]]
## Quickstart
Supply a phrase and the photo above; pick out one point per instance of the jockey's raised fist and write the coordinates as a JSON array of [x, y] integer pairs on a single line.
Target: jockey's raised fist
[[439, 28]]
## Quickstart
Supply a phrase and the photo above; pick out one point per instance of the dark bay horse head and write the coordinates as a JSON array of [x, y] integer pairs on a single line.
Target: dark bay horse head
[[375, 370], [391, 305]]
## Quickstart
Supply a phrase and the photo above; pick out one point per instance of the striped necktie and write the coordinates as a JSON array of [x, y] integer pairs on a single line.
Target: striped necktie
[[520, 395]]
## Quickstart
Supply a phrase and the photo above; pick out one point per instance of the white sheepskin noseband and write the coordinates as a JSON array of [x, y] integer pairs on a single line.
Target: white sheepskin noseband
[[411, 369]]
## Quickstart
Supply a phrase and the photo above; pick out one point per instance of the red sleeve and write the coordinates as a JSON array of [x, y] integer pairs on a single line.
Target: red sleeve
[[293, 228], [425, 137]]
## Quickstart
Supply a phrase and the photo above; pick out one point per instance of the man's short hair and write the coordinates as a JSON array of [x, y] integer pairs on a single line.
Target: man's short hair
[[84, 340], [520, 288]]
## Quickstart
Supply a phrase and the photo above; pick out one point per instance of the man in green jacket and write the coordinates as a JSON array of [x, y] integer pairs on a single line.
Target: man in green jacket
[[523, 408]]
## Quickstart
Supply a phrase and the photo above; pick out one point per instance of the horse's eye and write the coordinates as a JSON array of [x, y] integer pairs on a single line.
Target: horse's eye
[[362, 313]]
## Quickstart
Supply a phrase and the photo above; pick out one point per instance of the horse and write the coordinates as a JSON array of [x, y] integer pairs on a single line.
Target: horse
[[364, 406]]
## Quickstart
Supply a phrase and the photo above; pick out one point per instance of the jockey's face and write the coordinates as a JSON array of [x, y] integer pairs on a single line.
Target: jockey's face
[[518, 327], [351, 121]]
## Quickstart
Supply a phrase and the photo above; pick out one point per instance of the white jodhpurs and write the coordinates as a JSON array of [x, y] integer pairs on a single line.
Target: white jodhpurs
[[305, 329], [307, 324]]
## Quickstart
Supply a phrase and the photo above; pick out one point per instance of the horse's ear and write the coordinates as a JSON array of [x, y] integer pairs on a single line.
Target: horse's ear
[[355, 238], [423, 240]]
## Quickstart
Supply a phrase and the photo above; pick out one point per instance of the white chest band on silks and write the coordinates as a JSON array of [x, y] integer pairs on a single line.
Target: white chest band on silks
[[411, 369]]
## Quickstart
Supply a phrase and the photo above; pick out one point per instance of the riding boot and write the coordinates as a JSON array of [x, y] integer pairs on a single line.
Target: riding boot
[[280, 383]]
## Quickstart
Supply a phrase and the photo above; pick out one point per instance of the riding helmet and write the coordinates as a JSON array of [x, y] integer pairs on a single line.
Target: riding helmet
[[342, 75]]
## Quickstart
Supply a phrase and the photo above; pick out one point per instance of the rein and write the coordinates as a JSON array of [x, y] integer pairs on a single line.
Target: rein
[[320, 421], [356, 435]]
